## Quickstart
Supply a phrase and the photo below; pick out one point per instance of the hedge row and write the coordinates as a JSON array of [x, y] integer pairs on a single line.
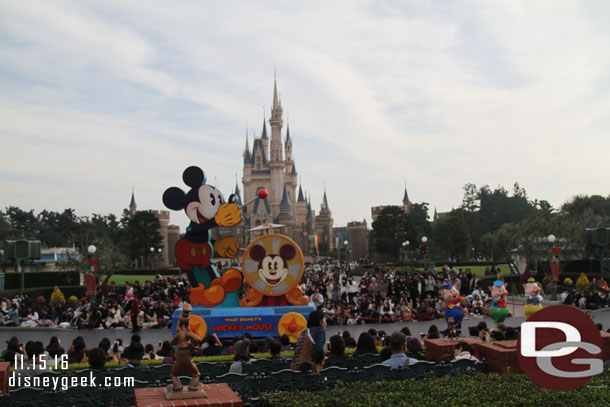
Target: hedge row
[[78, 291], [37, 279], [489, 389]]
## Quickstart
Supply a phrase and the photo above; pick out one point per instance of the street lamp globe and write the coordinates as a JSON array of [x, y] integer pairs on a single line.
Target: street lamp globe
[[152, 249], [345, 242], [407, 242], [551, 238], [424, 239], [160, 249], [91, 249]]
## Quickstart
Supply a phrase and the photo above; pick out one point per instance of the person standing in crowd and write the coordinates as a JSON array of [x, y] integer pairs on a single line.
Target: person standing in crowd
[[134, 312], [310, 344]]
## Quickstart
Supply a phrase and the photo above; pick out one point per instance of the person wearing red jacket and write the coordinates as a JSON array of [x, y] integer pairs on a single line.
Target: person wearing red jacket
[[135, 310]]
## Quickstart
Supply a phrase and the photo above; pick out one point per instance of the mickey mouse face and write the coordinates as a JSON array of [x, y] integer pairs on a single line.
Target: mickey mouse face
[[273, 270], [203, 209], [200, 203]]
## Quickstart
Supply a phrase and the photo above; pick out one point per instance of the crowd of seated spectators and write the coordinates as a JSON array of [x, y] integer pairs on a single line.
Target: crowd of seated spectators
[[386, 295], [596, 296], [132, 306]]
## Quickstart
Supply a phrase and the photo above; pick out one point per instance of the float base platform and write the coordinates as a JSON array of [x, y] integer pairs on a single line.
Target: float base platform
[[228, 322], [219, 395]]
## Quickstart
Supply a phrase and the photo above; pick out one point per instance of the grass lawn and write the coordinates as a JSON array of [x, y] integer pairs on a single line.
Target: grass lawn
[[121, 279], [477, 270]]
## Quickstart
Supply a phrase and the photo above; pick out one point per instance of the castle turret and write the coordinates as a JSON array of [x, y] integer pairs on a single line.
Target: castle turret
[[276, 163], [132, 205], [405, 201], [288, 145]]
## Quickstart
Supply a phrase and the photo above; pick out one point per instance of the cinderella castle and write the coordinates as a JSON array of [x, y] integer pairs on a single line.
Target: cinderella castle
[[270, 164]]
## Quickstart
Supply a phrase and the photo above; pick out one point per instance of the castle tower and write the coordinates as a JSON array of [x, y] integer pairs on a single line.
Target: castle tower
[[276, 164], [288, 145], [264, 137], [406, 204], [286, 217], [132, 205], [324, 223]]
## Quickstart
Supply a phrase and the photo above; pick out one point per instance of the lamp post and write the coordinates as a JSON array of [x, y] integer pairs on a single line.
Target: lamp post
[[554, 254], [90, 275], [152, 256], [405, 248], [424, 249], [345, 243], [473, 258]]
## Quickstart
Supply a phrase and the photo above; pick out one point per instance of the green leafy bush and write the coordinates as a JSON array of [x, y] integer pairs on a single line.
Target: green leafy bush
[[490, 389]]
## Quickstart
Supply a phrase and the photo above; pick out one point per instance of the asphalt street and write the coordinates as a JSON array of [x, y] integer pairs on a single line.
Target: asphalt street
[[153, 336]]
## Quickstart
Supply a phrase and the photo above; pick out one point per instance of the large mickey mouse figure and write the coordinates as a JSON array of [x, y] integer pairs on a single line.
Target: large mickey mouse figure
[[205, 206]]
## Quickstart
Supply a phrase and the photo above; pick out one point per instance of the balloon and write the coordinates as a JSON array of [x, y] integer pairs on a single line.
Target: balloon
[[263, 194]]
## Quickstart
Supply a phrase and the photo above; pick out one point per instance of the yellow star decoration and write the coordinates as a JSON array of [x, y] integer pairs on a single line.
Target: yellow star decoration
[[292, 324], [198, 326]]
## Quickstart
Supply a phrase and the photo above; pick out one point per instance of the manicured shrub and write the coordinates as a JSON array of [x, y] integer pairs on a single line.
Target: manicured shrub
[[490, 389], [57, 297]]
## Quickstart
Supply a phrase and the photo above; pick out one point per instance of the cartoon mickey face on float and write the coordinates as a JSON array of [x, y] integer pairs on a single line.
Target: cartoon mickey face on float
[[273, 269], [200, 203]]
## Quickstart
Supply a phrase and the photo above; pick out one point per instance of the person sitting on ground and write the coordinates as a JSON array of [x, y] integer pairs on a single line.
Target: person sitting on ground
[[285, 342], [463, 351], [105, 346], [149, 353], [510, 334], [366, 344], [337, 346], [214, 347], [414, 349], [385, 354], [78, 352], [97, 358], [242, 356], [433, 333], [398, 358], [134, 352], [54, 348], [275, 348], [35, 360]]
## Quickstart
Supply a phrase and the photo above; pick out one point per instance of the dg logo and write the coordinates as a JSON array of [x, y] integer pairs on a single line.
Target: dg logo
[[560, 348]]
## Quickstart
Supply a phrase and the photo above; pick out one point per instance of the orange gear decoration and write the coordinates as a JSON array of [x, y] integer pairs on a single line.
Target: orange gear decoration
[[251, 299], [198, 326], [292, 324], [273, 244]]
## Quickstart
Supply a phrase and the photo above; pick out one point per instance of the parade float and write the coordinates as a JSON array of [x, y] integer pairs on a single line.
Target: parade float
[[264, 297]]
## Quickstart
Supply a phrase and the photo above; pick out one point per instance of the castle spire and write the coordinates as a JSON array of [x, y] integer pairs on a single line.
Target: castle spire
[[405, 198], [276, 102], [301, 196], [132, 205], [325, 202], [285, 198], [264, 135]]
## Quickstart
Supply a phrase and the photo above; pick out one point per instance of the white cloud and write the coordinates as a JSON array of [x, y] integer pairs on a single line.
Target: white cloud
[[118, 93]]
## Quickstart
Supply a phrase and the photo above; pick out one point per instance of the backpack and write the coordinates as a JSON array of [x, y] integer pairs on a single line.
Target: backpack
[[303, 350]]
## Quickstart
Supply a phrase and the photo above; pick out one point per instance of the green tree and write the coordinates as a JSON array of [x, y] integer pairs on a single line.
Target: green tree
[[418, 224], [390, 230], [470, 201], [25, 224], [450, 237], [142, 234]]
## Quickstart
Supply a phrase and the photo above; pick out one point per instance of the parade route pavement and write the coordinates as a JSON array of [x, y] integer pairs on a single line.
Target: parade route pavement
[[154, 336]]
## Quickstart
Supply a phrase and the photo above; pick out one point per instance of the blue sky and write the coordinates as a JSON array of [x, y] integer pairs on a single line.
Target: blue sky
[[98, 96]]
